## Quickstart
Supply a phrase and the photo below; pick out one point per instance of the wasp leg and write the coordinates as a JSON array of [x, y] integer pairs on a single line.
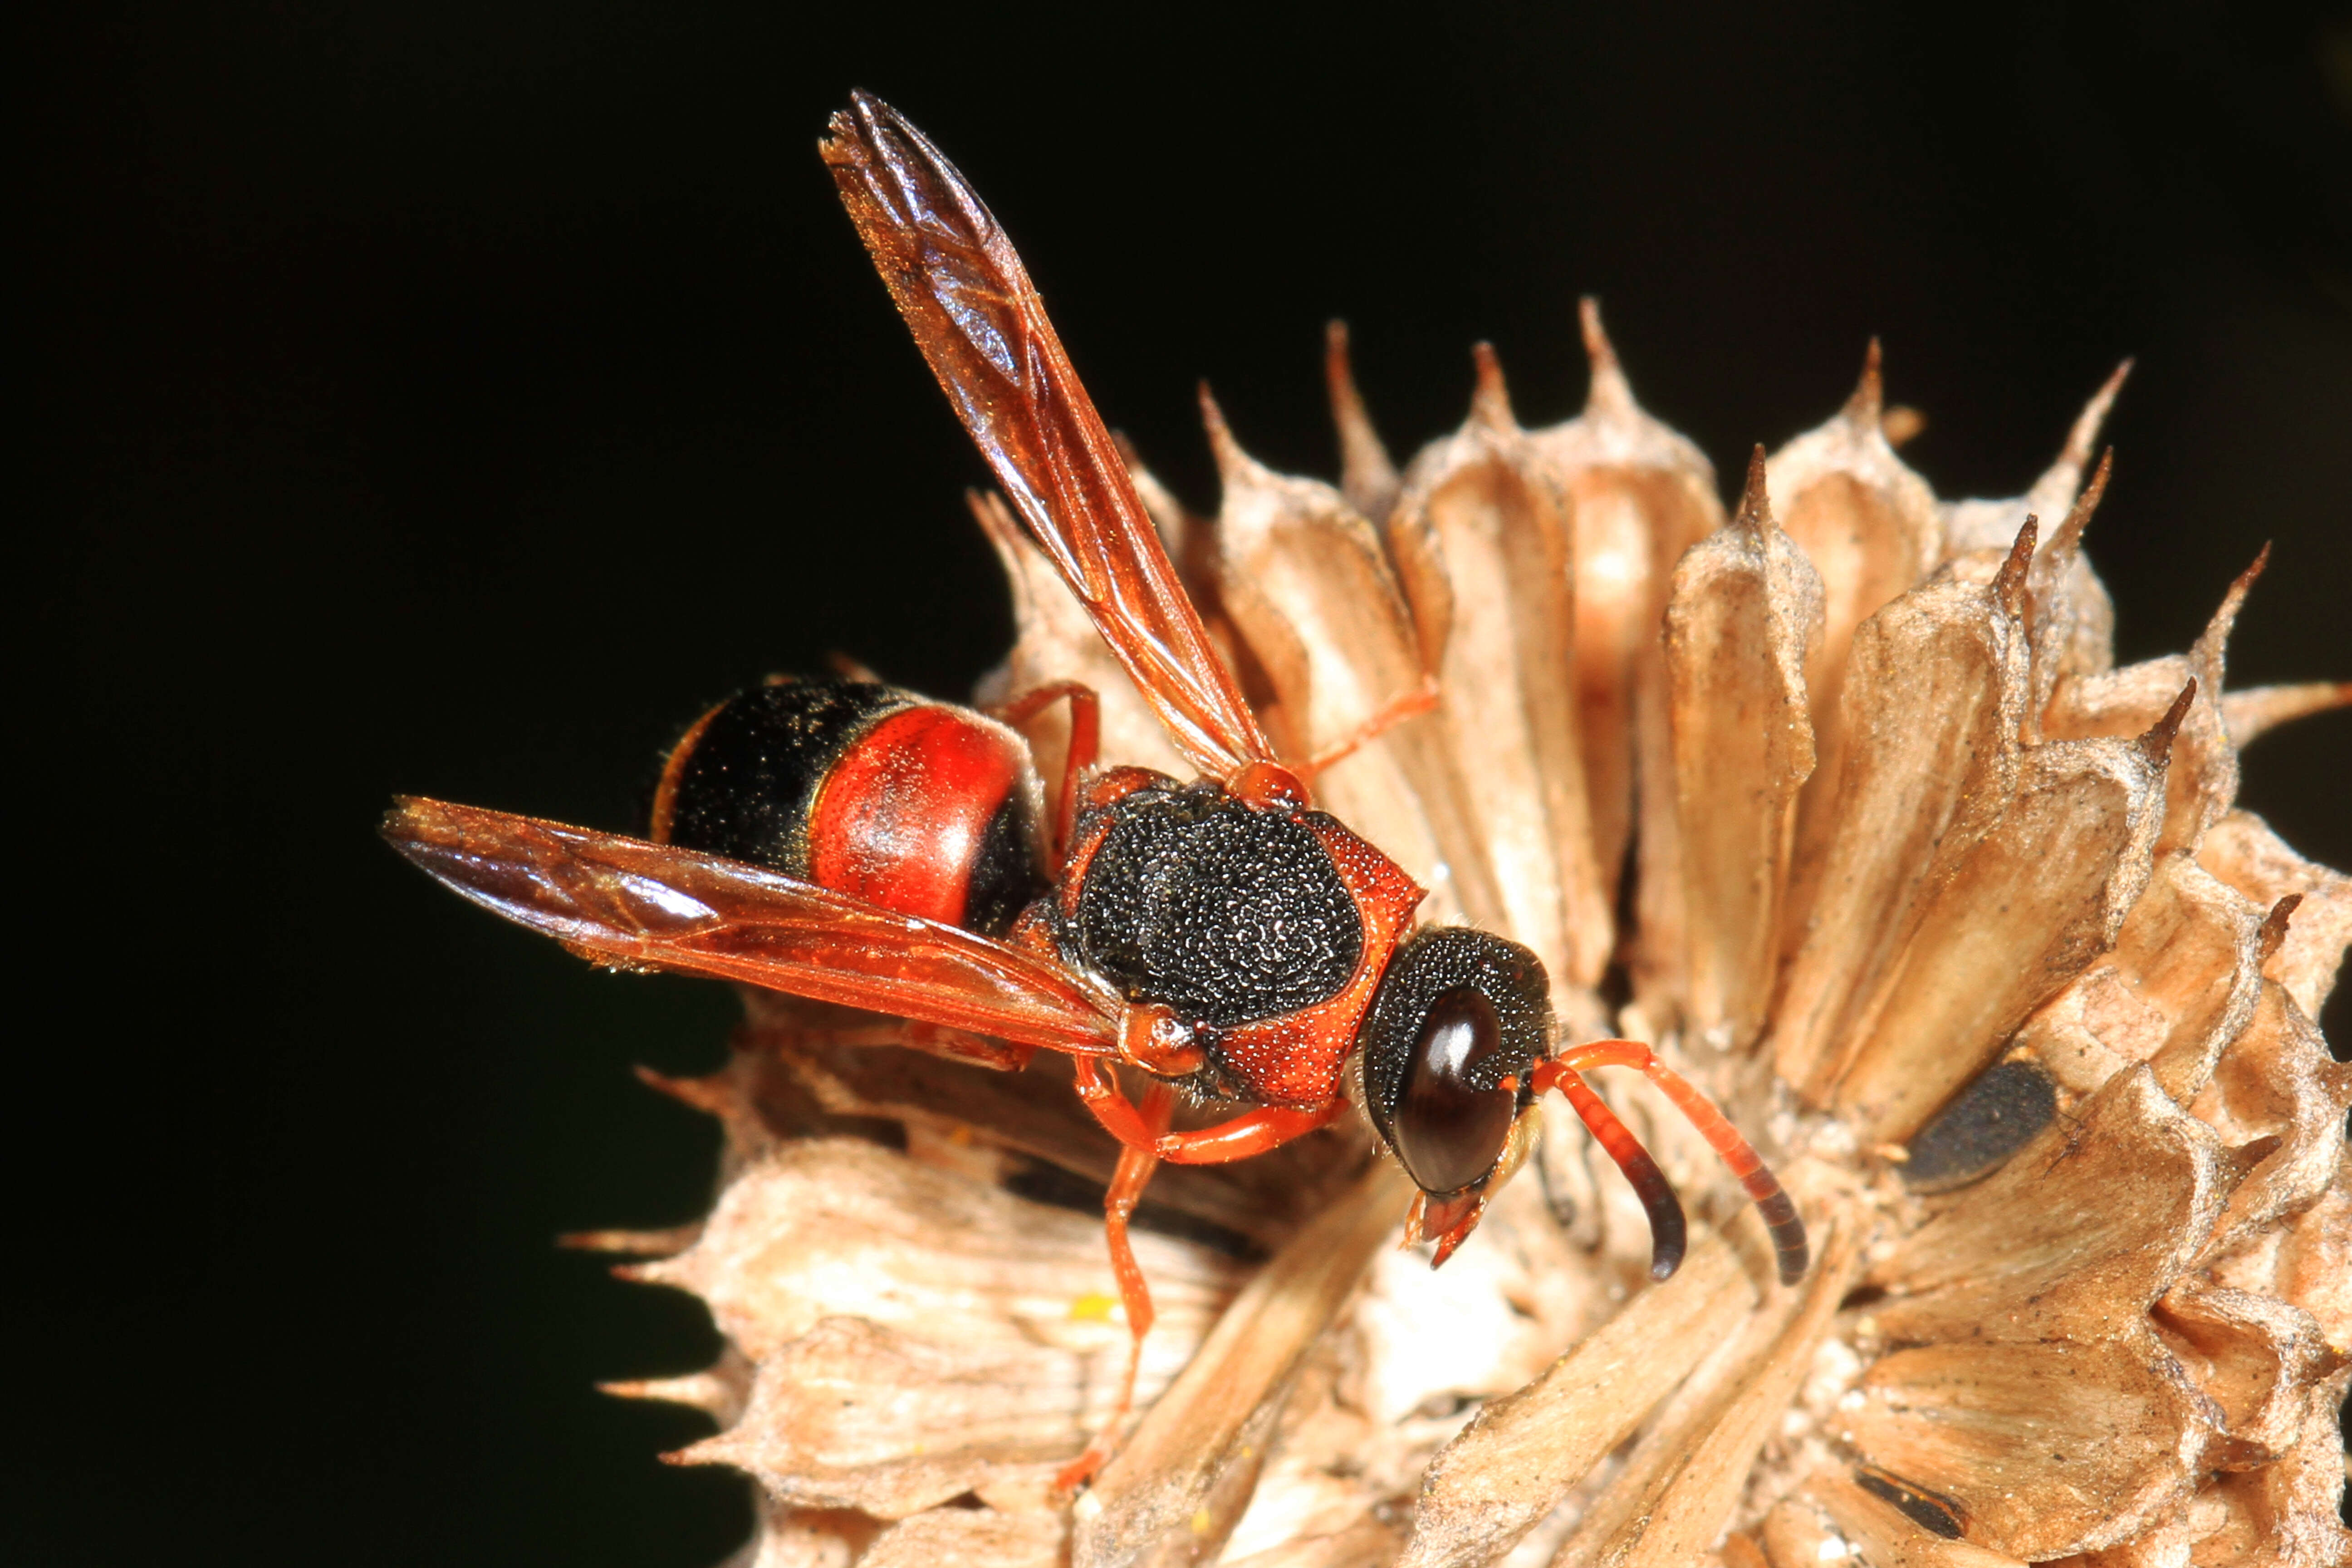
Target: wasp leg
[[1086, 743], [1145, 1141], [1755, 1177], [1118, 1114], [1668, 1235], [1422, 699], [1245, 1136], [1135, 1165]]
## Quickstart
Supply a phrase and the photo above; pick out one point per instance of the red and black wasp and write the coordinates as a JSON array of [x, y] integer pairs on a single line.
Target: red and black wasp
[[852, 843]]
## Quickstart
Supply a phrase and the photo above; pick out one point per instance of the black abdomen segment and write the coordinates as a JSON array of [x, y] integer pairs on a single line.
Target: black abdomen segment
[[918, 806], [1226, 914], [744, 779]]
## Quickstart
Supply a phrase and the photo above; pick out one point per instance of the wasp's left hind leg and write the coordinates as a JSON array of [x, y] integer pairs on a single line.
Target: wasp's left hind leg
[[1135, 1165], [1248, 1135], [1086, 745]]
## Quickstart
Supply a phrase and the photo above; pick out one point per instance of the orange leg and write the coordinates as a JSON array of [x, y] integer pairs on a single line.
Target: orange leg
[[1245, 1136], [1754, 1177], [1086, 742], [1145, 1141], [1135, 1165], [1120, 1118], [1411, 704]]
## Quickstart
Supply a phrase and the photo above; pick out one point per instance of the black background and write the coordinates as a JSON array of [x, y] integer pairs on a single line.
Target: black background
[[452, 398]]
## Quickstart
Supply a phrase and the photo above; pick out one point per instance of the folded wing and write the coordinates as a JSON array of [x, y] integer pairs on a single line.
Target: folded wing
[[635, 904]]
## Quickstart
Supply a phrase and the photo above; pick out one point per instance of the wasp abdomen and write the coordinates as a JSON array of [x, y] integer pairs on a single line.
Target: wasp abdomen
[[1226, 914], [918, 806]]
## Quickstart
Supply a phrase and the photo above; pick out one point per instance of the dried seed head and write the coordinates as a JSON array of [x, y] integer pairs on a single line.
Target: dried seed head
[[1955, 917]]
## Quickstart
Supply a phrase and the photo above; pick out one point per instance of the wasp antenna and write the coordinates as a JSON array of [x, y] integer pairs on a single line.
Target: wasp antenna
[[1791, 1252], [1669, 1233]]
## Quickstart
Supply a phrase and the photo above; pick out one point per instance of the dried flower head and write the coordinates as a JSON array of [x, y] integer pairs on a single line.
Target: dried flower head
[[1839, 799]]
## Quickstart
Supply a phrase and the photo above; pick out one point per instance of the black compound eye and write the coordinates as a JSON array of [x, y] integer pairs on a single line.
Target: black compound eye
[[1449, 1131]]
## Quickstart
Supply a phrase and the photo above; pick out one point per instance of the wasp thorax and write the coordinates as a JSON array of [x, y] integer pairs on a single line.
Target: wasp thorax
[[1198, 902]]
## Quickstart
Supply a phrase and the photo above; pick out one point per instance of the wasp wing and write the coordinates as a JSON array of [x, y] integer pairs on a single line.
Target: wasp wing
[[979, 321], [636, 904]]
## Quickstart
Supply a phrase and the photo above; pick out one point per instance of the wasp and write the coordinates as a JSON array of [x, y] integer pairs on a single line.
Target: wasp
[[852, 843]]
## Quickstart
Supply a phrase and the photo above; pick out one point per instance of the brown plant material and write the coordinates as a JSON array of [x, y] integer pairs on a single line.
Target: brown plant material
[[1960, 921], [2244, 853], [1832, 1518], [1367, 479], [2258, 710], [2281, 1097], [1522, 1455], [2177, 987], [2075, 1238], [1481, 538], [983, 1538], [1965, 983], [1745, 612], [846, 1065], [1641, 495], [1187, 1471], [1936, 692], [1973, 525], [2036, 1476], [1685, 1481], [1868, 525]]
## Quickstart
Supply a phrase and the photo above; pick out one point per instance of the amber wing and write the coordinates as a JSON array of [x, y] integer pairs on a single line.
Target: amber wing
[[969, 301], [632, 904]]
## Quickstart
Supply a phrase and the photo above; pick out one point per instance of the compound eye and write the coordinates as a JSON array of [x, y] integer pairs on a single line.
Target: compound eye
[[1449, 1131]]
